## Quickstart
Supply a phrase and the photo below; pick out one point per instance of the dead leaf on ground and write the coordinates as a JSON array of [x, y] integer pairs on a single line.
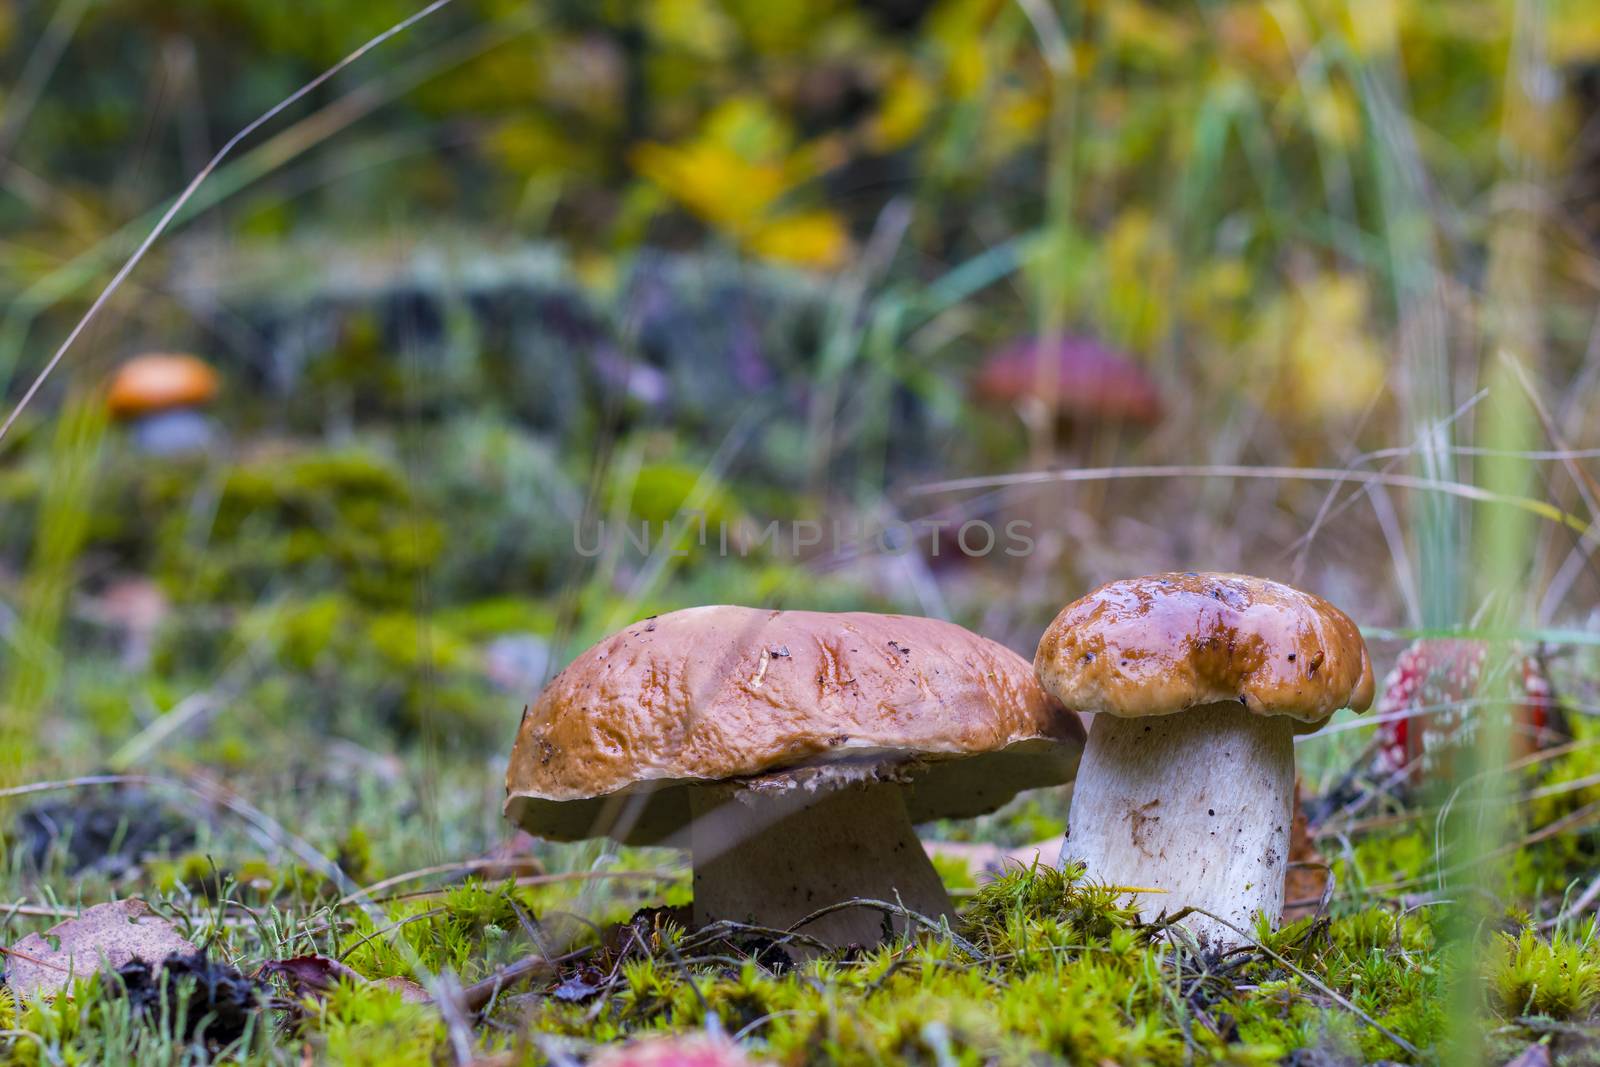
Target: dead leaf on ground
[[1306, 881], [313, 976], [111, 935]]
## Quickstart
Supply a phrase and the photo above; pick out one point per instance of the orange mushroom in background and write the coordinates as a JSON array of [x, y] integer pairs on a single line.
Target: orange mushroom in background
[[160, 396]]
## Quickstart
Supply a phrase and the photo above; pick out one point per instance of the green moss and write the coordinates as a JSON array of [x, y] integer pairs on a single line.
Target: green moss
[[1559, 977], [373, 1025], [662, 492]]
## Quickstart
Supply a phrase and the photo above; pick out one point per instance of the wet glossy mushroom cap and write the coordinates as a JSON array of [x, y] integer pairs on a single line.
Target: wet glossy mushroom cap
[[1084, 378], [160, 382], [1161, 644], [778, 700]]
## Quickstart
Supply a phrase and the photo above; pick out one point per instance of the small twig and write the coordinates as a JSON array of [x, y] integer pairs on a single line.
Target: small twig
[[34, 959], [745, 1030], [894, 909], [443, 868], [542, 879], [1585, 900], [724, 927], [1541, 508], [397, 924], [475, 996], [40, 911], [78, 783], [1542, 1025], [1314, 982]]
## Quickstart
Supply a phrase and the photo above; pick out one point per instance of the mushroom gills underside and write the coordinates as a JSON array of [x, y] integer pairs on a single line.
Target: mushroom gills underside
[[1194, 807], [934, 786], [773, 860]]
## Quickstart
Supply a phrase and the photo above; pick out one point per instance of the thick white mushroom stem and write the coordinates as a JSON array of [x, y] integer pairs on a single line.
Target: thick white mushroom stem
[[1196, 805], [772, 860]]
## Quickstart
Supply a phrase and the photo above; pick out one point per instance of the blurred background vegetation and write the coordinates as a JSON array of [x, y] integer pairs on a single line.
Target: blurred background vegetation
[[534, 268], [540, 266]]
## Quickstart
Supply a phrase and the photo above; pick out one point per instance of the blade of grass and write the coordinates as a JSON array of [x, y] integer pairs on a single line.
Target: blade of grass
[[1542, 509]]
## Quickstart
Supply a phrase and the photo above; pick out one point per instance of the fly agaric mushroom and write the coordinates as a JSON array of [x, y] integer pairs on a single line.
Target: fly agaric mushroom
[[160, 395], [1074, 377], [1199, 683], [790, 752], [1426, 709]]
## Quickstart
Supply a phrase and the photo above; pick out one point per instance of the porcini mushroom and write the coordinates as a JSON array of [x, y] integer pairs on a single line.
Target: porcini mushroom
[[791, 752], [160, 395], [1199, 683]]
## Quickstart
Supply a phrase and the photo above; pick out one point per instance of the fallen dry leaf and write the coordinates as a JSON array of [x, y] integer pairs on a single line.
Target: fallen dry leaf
[[111, 935], [314, 976], [310, 975], [1307, 878]]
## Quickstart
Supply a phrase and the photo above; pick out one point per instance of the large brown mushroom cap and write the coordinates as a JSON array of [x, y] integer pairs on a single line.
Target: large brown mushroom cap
[[1158, 645], [716, 693], [158, 382]]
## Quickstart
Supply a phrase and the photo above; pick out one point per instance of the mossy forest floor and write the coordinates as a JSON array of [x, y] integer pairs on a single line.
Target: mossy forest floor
[[557, 950]]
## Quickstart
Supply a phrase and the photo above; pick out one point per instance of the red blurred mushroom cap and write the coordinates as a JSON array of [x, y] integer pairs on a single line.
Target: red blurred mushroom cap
[[1429, 696], [1087, 379]]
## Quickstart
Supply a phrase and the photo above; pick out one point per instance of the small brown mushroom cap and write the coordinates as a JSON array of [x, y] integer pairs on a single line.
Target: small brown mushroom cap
[[159, 381], [1158, 645], [778, 700]]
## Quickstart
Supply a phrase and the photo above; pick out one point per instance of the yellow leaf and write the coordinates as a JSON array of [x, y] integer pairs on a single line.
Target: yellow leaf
[[1372, 26], [1574, 31], [969, 69], [736, 173], [1139, 265], [908, 100], [712, 181], [694, 26], [749, 127], [1334, 114], [1018, 115], [1139, 25], [1335, 366], [815, 239]]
